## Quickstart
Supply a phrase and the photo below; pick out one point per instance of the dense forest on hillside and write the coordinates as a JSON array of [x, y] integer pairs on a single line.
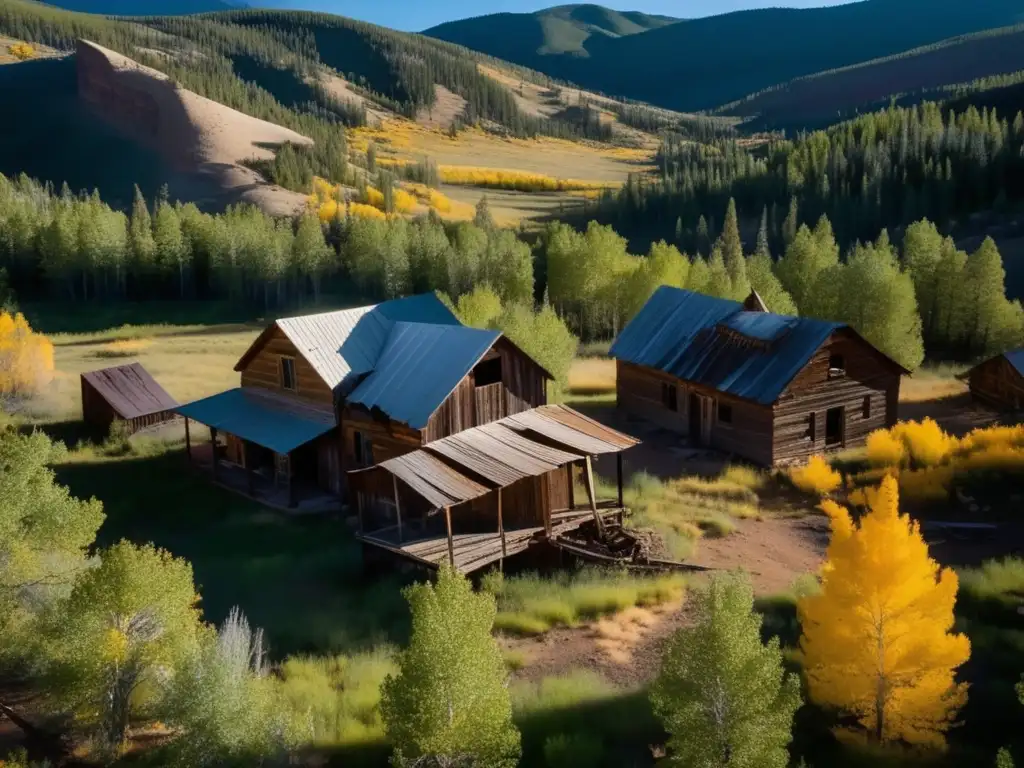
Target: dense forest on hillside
[[703, 63], [882, 170]]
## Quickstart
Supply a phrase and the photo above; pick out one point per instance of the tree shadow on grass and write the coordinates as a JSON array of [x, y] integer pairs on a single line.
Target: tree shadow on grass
[[299, 578]]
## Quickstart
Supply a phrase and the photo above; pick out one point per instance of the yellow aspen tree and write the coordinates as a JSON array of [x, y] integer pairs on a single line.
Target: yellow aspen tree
[[877, 641], [26, 357]]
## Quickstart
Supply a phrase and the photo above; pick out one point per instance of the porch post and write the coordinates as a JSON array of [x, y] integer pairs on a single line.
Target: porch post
[[291, 482], [501, 532], [213, 448], [398, 507], [572, 490], [249, 474], [593, 500], [618, 468], [451, 544], [188, 441]]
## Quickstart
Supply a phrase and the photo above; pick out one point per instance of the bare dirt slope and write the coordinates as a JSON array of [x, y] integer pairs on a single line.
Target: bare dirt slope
[[205, 142]]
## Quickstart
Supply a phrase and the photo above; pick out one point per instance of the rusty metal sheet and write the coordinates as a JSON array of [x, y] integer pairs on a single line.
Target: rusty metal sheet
[[497, 462], [434, 480], [518, 440], [130, 390], [557, 426], [573, 418]]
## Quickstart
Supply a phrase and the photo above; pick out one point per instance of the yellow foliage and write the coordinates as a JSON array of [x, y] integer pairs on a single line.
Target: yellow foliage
[[876, 639], [365, 211], [993, 436], [993, 457], [816, 476], [115, 646], [374, 197], [520, 181], [884, 449], [926, 443], [927, 484], [404, 202], [26, 357], [21, 51], [328, 211]]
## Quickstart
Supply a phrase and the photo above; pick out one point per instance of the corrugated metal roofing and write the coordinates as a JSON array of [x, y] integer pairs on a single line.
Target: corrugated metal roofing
[[278, 423], [675, 332], [343, 345], [502, 452], [419, 367], [130, 390], [1015, 357]]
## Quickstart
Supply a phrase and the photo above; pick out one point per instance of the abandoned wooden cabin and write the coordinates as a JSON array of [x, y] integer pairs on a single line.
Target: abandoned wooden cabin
[[999, 381], [322, 394], [768, 388], [126, 395], [489, 492]]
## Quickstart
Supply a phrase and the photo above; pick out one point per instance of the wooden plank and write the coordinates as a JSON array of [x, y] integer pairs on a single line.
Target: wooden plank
[[448, 524], [501, 530], [398, 507], [593, 500]]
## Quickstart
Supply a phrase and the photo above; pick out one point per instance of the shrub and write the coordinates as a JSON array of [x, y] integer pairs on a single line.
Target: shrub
[[365, 211], [816, 476], [404, 202], [884, 449], [927, 484], [26, 357], [123, 348], [926, 443], [21, 51]]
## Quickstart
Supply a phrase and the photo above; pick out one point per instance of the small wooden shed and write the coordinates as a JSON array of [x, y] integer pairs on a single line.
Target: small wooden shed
[[125, 393], [999, 381]]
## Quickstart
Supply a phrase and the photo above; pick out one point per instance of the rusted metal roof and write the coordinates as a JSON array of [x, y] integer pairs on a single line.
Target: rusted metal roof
[[501, 453], [278, 423], [344, 345], [130, 390], [434, 480], [420, 365]]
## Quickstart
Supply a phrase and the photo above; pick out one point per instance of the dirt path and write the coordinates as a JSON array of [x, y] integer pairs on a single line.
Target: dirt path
[[625, 649]]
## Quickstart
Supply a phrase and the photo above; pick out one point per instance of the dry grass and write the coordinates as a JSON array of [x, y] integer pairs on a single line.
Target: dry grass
[[619, 635], [592, 376], [517, 181], [932, 383], [188, 361]]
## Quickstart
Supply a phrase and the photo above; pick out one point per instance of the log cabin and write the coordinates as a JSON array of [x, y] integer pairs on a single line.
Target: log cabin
[[999, 381], [768, 388], [125, 395], [323, 394]]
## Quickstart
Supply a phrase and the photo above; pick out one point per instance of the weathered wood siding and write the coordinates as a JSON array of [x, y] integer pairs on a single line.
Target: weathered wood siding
[[869, 376], [522, 387], [997, 384], [264, 370], [749, 434], [99, 414], [387, 439]]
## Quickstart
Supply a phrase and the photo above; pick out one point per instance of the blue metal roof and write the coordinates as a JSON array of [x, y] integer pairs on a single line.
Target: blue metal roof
[[1016, 358], [421, 365], [763, 326], [262, 418], [675, 332]]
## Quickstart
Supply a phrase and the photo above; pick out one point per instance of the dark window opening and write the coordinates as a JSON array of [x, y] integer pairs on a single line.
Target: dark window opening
[[867, 406], [836, 366], [287, 373], [834, 426], [724, 413], [487, 372], [811, 430], [357, 446], [670, 396]]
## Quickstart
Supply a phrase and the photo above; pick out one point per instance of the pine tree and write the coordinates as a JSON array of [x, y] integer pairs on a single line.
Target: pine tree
[[719, 284], [703, 237], [763, 248], [922, 250], [699, 276], [791, 224], [763, 280], [725, 698], [986, 292], [877, 641], [732, 246], [951, 302], [449, 700], [483, 218], [140, 235], [799, 268], [170, 247]]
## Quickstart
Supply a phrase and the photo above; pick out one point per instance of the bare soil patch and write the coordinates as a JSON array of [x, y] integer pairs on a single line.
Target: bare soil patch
[[447, 108], [339, 87]]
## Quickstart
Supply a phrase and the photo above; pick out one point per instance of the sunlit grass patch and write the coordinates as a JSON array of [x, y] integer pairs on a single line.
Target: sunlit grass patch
[[532, 604], [123, 348]]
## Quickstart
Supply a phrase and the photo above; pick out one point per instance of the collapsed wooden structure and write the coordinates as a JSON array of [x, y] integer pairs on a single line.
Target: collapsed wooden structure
[[127, 395], [999, 381], [765, 387], [488, 492]]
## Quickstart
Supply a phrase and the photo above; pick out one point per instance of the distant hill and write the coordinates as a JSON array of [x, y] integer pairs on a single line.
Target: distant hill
[[564, 29], [944, 70], [147, 7], [704, 63]]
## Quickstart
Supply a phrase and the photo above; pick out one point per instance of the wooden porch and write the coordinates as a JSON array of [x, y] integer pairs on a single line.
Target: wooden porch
[[470, 552]]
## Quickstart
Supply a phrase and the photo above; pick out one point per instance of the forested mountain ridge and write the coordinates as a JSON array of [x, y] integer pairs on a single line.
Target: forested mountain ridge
[[148, 7], [704, 63], [564, 29]]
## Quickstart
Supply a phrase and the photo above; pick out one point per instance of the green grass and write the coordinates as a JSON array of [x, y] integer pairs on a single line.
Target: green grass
[[684, 509], [531, 604]]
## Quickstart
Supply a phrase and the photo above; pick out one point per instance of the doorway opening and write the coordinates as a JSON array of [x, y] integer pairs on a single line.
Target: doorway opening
[[834, 426]]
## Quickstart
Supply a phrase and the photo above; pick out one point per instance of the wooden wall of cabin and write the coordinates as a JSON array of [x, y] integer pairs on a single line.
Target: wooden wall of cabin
[[385, 439], [867, 392], [997, 384], [100, 414], [264, 371], [527, 503], [729, 424], [522, 386]]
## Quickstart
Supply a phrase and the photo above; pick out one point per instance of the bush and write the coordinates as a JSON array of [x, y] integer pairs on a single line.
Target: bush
[[926, 443], [816, 476], [884, 449]]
